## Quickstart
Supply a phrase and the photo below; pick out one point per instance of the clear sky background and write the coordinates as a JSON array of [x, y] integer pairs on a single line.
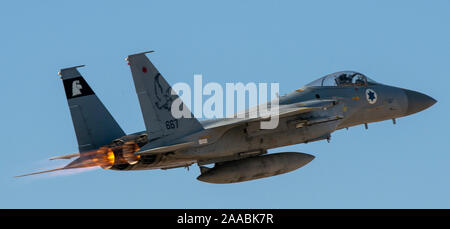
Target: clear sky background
[[400, 43]]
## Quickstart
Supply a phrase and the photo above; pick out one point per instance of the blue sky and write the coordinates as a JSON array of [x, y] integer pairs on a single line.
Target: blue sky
[[401, 43]]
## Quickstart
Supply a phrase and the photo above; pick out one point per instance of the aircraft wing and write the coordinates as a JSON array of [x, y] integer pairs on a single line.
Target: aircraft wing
[[283, 111]]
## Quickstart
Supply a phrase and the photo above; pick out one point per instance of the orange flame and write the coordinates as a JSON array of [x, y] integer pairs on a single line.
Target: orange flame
[[105, 157]]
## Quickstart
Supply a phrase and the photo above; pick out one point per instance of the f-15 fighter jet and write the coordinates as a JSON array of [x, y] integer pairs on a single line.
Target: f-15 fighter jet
[[236, 146]]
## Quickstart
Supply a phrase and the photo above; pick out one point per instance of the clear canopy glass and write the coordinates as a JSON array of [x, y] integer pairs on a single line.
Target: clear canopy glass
[[342, 79]]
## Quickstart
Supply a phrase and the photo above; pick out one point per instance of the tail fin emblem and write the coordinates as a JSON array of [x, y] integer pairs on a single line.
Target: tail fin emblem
[[76, 88], [163, 95]]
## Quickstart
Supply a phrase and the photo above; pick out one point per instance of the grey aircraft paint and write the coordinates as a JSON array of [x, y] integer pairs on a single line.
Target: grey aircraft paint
[[236, 147]]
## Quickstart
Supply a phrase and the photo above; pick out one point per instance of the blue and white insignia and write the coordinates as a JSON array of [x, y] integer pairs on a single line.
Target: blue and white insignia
[[371, 96]]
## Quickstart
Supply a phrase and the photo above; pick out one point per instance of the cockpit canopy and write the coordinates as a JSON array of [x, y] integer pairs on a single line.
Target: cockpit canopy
[[342, 79]]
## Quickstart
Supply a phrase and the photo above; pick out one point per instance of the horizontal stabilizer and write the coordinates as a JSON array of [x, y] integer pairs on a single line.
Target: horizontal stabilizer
[[46, 171], [87, 159], [69, 156]]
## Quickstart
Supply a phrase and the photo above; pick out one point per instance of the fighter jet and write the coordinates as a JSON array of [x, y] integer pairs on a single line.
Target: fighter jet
[[227, 150]]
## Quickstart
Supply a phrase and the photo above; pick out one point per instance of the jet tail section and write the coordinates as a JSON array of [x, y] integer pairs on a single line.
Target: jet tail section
[[156, 98], [94, 125]]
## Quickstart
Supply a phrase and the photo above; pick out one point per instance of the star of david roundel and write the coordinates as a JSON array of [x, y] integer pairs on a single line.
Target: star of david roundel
[[371, 96]]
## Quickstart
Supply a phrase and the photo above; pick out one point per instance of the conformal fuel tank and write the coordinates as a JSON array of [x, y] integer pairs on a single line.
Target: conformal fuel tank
[[255, 167]]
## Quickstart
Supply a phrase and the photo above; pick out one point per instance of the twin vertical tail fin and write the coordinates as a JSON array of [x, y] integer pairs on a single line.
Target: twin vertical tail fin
[[94, 125], [156, 98]]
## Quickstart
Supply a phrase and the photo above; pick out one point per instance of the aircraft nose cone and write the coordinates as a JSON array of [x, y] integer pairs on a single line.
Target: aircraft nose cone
[[417, 101]]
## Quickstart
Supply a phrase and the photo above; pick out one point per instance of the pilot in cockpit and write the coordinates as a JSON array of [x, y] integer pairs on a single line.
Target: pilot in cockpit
[[344, 79], [359, 82], [358, 79]]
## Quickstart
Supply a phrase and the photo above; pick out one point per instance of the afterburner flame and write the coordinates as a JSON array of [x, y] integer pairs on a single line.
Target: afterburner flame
[[128, 150], [110, 157], [105, 157]]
